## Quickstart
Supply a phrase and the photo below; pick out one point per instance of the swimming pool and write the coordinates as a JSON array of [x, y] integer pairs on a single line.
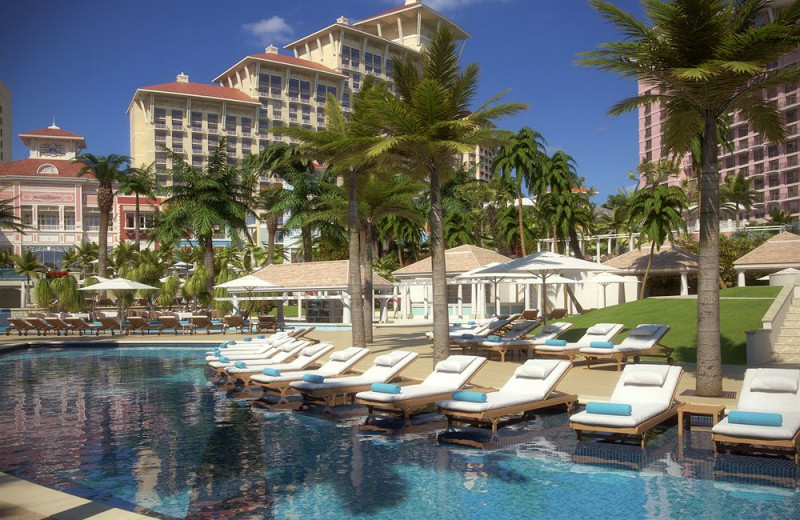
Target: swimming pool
[[141, 429]]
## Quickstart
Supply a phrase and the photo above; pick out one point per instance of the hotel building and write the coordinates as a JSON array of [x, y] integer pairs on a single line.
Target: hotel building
[[774, 168], [266, 90]]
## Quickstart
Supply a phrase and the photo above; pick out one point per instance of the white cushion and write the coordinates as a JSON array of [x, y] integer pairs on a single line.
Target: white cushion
[[346, 354], [764, 383], [551, 328], [455, 364], [645, 330], [535, 371], [313, 349], [601, 329], [645, 375], [390, 360]]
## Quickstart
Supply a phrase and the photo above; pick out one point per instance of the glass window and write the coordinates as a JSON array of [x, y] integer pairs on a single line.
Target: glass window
[[345, 100], [321, 93], [356, 81], [275, 86], [212, 122], [230, 123], [246, 125], [294, 89], [388, 67], [160, 118], [277, 108], [305, 91]]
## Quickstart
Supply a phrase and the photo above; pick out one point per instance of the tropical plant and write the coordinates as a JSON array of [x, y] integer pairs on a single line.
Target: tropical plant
[[83, 255], [702, 60], [28, 265], [522, 155], [107, 171], [554, 184], [196, 287], [737, 191], [43, 293], [141, 182], [169, 291], [778, 217], [424, 128], [69, 297], [8, 218]]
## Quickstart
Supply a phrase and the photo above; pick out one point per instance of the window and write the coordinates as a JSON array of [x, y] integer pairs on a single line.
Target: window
[[350, 57], [791, 147], [197, 121], [730, 162], [372, 63], [177, 119], [306, 115], [305, 91], [263, 84], [230, 124], [648, 121], [213, 120], [320, 116], [246, 145], [47, 169], [48, 220], [160, 118], [277, 108], [356, 81], [91, 221], [758, 154], [791, 115], [389, 67], [772, 150], [791, 177], [275, 86], [346, 100], [69, 221], [232, 146], [791, 99], [743, 159], [743, 131], [294, 89], [145, 221], [293, 112], [246, 126]]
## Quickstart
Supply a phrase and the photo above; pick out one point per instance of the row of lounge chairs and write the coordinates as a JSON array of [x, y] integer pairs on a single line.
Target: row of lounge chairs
[[45, 325], [644, 397]]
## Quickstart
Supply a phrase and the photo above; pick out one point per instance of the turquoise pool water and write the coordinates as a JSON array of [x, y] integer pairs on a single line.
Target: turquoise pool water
[[142, 429]]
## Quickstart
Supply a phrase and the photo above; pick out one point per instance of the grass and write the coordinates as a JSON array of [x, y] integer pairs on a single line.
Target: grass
[[736, 317]]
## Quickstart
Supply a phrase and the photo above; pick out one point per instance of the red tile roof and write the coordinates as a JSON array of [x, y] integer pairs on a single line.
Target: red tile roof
[[29, 167], [200, 89], [52, 132], [291, 60]]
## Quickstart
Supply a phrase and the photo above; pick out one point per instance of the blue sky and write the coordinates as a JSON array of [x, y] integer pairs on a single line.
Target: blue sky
[[81, 62]]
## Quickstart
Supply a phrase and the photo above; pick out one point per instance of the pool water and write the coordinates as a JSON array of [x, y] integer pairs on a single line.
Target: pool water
[[142, 429]]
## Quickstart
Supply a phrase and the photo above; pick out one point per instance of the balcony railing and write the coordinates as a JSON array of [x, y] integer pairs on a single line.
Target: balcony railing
[[161, 125]]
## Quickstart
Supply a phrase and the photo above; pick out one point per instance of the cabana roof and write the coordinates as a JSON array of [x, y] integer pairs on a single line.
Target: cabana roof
[[459, 260], [314, 276], [669, 259], [779, 252]]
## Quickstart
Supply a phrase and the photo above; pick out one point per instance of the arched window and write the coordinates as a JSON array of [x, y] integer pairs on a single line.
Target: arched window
[[48, 169]]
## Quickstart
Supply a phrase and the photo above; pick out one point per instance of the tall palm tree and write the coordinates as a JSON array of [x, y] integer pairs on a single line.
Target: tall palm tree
[[554, 185], [266, 200], [424, 129], [8, 219], [28, 265], [141, 182], [657, 212], [203, 202], [704, 59], [737, 190], [107, 170], [567, 211], [521, 155]]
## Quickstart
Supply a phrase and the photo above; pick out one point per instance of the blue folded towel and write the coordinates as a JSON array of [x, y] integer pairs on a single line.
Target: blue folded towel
[[313, 378], [184, 322], [247, 338], [609, 408], [216, 322], [467, 336], [261, 336], [457, 324], [470, 397], [385, 388], [223, 359], [231, 342], [240, 364], [556, 342], [97, 324], [216, 352], [156, 323], [471, 322], [494, 339], [601, 344], [271, 372], [126, 323], [755, 418]]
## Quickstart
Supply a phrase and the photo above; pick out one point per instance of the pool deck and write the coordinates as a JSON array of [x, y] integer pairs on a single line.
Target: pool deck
[[22, 500]]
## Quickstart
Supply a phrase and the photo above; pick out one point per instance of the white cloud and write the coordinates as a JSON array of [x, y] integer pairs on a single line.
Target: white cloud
[[271, 30], [450, 5]]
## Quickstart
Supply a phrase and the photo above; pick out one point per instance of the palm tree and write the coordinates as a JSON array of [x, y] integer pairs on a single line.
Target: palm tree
[[738, 191], [553, 185], [521, 155], [203, 202], [704, 59], [266, 200], [424, 129], [107, 170], [568, 211], [140, 182], [657, 212], [8, 219], [780, 218], [28, 265]]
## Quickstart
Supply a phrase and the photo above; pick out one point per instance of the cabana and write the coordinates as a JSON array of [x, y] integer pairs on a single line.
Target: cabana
[[779, 252], [670, 260]]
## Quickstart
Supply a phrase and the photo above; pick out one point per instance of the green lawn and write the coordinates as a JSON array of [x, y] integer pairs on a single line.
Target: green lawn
[[737, 316]]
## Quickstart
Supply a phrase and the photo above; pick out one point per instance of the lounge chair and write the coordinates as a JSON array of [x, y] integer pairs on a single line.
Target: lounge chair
[[770, 413], [384, 369], [174, 324], [59, 325], [447, 377], [643, 398], [554, 314], [41, 326], [307, 357], [81, 325], [530, 314], [530, 388], [505, 344], [237, 323], [481, 333], [465, 327], [247, 350], [280, 355], [602, 332], [642, 341], [21, 325], [110, 323], [267, 324], [204, 322], [339, 363], [138, 323]]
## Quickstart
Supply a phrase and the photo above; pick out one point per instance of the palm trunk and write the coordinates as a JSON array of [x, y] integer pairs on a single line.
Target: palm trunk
[[105, 202], [521, 228], [354, 265], [441, 337], [305, 232], [647, 270], [369, 303], [709, 356], [136, 222], [208, 261], [399, 246], [272, 228], [575, 243]]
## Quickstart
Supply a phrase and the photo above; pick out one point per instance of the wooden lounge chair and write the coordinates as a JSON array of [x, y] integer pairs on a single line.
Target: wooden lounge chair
[[493, 328], [555, 314], [59, 325], [280, 354], [204, 322], [339, 363], [306, 358], [21, 325], [532, 387], [525, 342], [600, 332], [237, 323], [530, 314], [81, 326], [174, 324], [267, 324], [110, 324], [641, 341], [447, 377], [137, 323], [502, 344], [648, 391], [384, 369], [41, 326], [773, 391]]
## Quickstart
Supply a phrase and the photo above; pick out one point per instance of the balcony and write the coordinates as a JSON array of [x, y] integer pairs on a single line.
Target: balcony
[[213, 130], [197, 128], [177, 126], [161, 125]]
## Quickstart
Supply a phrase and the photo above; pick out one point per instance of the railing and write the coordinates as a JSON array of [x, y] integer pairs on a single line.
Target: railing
[[49, 227]]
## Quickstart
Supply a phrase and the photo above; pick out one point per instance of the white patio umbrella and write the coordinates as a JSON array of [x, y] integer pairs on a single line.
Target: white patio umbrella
[[547, 264], [248, 284], [605, 279], [118, 284]]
